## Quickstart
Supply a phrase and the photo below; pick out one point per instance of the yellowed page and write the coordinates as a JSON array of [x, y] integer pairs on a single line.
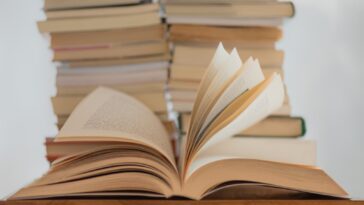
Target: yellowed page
[[250, 75], [123, 181], [291, 151], [220, 57], [108, 115], [109, 160], [246, 110], [213, 69], [226, 73], [294, 177], [257, 105]]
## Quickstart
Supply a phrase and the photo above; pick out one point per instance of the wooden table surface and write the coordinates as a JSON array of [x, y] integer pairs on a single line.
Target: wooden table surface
[[181, 202]]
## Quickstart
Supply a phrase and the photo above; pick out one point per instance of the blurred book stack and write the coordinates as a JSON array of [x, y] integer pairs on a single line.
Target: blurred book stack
[[116, 43], [253, 27]]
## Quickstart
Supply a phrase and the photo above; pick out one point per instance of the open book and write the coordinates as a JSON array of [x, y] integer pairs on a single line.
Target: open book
[[232, 97]]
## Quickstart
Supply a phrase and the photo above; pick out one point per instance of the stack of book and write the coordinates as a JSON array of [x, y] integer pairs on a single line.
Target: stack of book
[[196, 27], [116, 43]]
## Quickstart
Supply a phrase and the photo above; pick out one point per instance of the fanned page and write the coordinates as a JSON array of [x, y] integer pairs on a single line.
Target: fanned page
[[213, 70], [246, 110], [217, 85], [108, 115], [248, 76], [223, 96]]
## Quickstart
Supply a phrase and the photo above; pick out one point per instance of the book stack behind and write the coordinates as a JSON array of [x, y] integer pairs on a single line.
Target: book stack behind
[[253, 27], [119, 44]]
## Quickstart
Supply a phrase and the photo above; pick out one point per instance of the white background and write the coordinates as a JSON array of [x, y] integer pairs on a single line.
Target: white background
[[324, 48]]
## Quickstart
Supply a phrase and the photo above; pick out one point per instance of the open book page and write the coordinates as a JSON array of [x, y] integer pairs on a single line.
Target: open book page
[[228, 71], [302, 152], [88, 167], [104, 184], [249, 76], [108, 115], [296, 177], [214, 69], [246, 110]]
